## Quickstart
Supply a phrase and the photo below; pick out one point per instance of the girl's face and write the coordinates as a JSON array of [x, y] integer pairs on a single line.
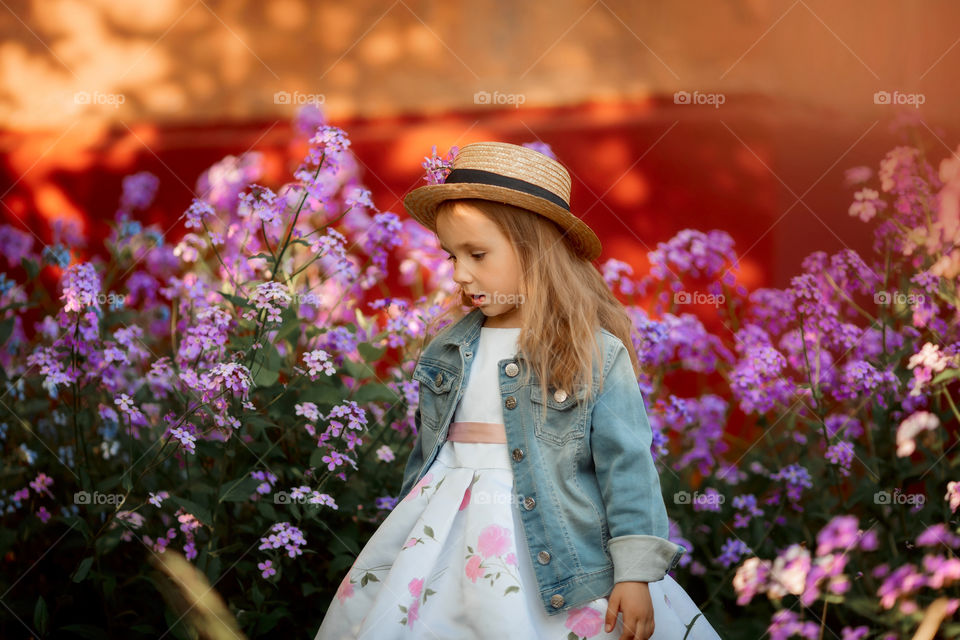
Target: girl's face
[[484, 263]]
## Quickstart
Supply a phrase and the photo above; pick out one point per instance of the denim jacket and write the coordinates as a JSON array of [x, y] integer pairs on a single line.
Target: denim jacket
[[590, 501]]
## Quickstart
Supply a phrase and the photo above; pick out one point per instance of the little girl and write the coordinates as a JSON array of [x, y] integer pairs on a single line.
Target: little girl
[[531, 506]]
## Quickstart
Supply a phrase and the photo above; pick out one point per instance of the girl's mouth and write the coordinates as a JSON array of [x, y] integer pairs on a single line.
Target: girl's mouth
[[478, 299]]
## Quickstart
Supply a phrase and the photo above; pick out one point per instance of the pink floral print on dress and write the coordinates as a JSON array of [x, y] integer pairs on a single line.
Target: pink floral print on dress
[[584, 622]]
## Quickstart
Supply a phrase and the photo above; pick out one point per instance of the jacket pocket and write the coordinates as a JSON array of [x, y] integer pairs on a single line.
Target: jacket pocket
[[565, 415], [436, 381]]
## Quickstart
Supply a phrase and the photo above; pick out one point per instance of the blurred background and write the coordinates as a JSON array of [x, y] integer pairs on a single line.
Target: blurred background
[[776, 100]]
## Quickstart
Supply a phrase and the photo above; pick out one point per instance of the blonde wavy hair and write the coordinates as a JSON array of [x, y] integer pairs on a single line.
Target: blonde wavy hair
[[566, 300]]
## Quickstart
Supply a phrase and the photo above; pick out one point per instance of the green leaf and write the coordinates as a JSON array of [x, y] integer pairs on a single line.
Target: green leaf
[[369, 352], [81, 573], [512, 589], [236, 300], [90, 631], [359, 370], [238, 490], [949, 374], [41, 616], [31, 267], [6, 328], [376, 393], [264, 377]]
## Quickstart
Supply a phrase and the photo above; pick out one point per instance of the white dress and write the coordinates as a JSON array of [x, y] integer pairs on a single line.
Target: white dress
[[450, 561]]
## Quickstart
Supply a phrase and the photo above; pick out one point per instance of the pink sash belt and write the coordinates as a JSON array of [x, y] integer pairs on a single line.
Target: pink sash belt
[[477, 432]]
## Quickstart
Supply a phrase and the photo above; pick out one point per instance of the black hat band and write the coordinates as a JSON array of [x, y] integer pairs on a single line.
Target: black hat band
[[479, 176]]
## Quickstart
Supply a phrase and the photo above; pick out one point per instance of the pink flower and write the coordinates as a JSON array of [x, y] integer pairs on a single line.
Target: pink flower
[[915, 424], [473, 570], [425, 480], [413, 613], [494, 540], [466, 500], [346, 588], [409, 543], [751, 579], [415, 587], [511, 559], [584, 621], [953, 495]]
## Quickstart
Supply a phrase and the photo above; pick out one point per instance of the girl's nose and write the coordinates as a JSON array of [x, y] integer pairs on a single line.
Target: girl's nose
[[461, 276]]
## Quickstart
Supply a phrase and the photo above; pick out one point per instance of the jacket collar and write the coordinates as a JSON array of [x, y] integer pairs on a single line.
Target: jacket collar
[[463, 330]]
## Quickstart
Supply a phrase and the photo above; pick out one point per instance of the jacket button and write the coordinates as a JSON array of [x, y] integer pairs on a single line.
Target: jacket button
[[559, 395], [512, 369], [543, 558], [529, 503], [556, 601], [511, 402], [439, 379], [518, 454]]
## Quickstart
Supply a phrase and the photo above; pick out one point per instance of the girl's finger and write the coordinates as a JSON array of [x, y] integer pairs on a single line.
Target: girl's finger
[[611, 619]]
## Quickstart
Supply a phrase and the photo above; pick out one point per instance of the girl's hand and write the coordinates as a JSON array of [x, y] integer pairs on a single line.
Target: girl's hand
[[633, 599]]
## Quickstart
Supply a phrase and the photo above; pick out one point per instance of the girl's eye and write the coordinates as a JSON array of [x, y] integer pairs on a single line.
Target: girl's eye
[[478, 256]]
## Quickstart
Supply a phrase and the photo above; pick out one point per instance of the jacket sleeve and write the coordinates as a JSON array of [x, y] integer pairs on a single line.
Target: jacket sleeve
[[414, 461], [620, 440]]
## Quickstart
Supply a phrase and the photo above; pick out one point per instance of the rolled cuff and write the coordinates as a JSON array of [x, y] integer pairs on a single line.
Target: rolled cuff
[[642, 558]]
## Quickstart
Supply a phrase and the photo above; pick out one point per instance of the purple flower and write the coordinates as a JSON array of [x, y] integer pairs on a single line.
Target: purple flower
[[222, 183], [16, 244], [386, 502], [938, 534], [731, 552], [197, 213], [284, 534], [842, 532], [438, 168], [188, 440], [267, 480], [271, 297], [318, 360], [41, 484], [264, 204], [308, 119], [139, 190], [746, 506], [541, 147], [692, 252], [266, 568], [757, 380], [81, 287], [156, 499], [841, 454]]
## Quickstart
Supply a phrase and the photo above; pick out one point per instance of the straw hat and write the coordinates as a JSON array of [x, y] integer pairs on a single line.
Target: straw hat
[[512, 174]]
